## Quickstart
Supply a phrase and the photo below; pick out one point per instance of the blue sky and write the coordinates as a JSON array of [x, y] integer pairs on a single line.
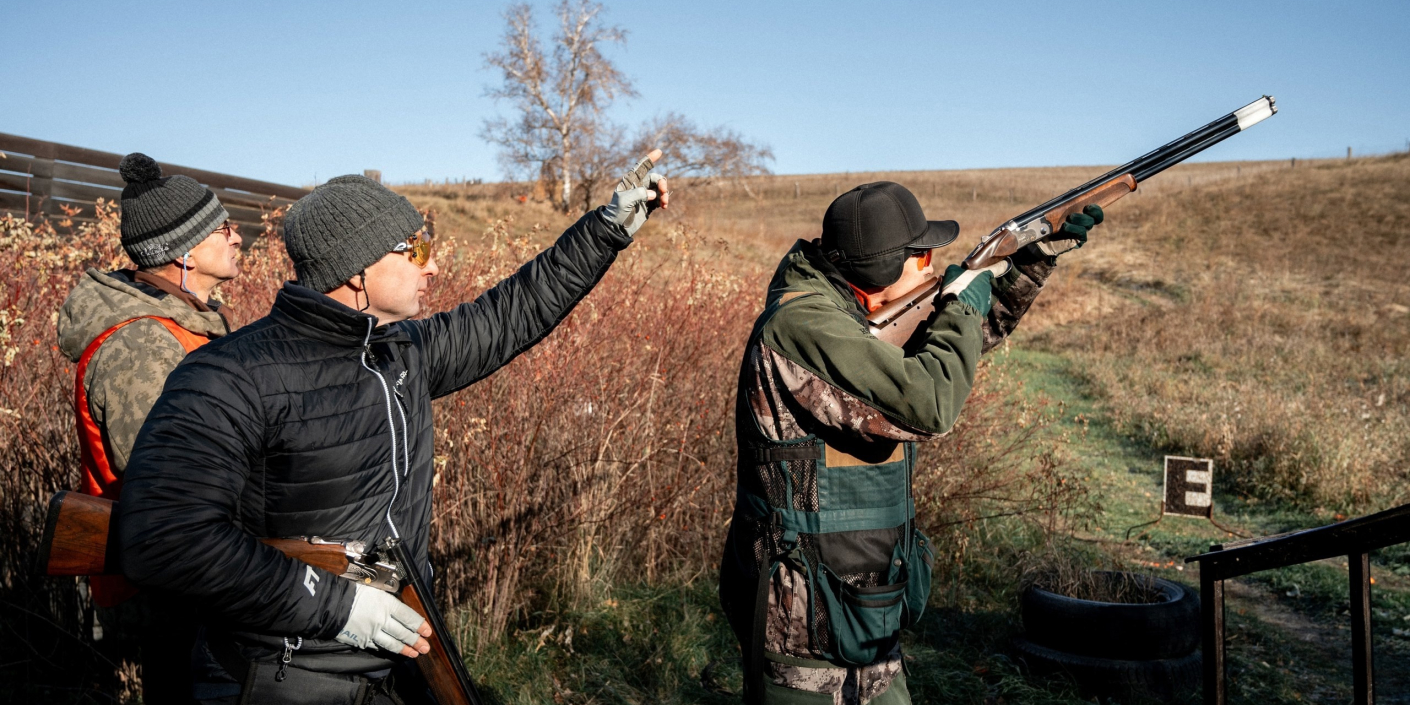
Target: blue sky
[[293, 92]]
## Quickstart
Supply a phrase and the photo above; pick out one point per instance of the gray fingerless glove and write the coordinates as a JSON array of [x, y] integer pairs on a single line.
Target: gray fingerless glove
[[379, 620], [635, 197]]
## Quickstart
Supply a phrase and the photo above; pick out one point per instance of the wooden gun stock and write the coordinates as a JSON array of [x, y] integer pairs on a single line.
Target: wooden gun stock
[[78, 541]]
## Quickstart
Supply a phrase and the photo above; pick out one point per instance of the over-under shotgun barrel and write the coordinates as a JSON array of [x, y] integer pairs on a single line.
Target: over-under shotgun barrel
[[1166, 155], [897, 321]]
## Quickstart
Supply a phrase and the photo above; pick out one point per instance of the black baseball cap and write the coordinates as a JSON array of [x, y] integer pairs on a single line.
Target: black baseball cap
[[870, 231]]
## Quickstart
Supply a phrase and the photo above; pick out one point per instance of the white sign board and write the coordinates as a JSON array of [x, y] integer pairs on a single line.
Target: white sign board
[[1189, 487]]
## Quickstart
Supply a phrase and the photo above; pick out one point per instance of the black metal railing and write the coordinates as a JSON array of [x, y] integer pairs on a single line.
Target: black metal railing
[[1354, 538]]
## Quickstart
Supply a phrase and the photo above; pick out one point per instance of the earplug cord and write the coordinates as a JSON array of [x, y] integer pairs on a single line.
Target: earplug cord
[[184, 259]]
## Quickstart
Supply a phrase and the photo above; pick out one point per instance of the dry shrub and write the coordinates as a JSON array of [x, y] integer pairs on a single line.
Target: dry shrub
[[1080, 582], [606, 453], [48, 621], [1264, 324], [1003, 458], [600, 454], [37, 449], [603, 455]]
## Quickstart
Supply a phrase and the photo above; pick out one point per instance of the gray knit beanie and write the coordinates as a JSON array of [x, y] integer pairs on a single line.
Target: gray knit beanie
[[342, 227], [163, 218]]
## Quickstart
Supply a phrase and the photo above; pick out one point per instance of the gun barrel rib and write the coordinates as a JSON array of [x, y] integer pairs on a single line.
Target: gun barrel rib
[[1169, 154]]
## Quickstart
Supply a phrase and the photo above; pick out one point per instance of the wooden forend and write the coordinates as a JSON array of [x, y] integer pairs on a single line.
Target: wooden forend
[[1104, 195]]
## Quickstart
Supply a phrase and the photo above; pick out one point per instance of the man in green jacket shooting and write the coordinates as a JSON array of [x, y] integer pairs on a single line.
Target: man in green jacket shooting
[[823, 565]]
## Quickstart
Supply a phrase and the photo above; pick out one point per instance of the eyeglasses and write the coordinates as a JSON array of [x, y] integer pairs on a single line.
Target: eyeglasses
[[227, 229], [417, 247], [924, 260]]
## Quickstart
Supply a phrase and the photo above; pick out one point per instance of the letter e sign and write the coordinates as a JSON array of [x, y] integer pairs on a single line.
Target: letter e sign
[[1189, 487]]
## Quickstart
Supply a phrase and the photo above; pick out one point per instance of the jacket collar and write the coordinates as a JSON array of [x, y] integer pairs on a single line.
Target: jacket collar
[[320, 317], [805, 268], [161, 286]]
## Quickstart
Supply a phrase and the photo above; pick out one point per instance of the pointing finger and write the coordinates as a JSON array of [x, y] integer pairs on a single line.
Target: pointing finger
[[639, 173]]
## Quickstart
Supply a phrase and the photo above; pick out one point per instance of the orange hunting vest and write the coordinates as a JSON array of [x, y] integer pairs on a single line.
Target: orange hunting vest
[[98, 477]]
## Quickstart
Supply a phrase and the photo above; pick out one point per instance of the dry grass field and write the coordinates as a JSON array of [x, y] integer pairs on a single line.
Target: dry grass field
[[1255, 313]]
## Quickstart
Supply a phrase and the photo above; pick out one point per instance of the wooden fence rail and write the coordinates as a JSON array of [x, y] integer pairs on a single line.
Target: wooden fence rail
[[37, 177], [1354, 539]]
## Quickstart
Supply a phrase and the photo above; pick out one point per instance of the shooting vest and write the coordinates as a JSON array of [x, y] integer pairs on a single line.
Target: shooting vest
[[99, 479], [845, 523]]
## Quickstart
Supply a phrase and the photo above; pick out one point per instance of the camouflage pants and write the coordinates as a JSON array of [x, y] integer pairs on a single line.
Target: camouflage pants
[[806, 680]]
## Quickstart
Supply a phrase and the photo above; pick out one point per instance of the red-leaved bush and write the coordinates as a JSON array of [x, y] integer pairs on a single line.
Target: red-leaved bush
[[603, 455]]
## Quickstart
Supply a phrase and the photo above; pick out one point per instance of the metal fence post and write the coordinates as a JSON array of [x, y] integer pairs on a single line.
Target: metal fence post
[[1211, 595], [1363, 678]]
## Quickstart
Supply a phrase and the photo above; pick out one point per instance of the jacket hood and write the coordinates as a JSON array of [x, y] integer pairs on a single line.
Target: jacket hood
[[805, 269], [100, 302]]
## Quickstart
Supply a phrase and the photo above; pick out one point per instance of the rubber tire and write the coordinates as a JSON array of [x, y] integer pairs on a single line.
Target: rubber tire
[[1164, 680], [1162, 630]]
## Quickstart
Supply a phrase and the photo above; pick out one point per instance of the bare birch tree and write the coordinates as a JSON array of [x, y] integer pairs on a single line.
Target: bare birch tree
[[694, 156], [703, 154], [560, 97]]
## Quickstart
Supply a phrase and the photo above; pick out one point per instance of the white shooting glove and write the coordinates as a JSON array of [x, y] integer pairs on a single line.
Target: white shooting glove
[[636, 196], [379, 619]]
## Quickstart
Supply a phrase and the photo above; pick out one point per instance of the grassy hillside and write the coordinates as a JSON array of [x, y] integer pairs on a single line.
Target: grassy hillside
[[1255, 313]]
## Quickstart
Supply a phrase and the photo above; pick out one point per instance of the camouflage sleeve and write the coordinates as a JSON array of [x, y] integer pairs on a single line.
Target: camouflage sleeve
[[785, 390], [1014, 293], [125, 377], [923, 390]]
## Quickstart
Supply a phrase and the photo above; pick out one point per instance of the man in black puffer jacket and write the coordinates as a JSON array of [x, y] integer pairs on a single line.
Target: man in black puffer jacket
[[316, 421]]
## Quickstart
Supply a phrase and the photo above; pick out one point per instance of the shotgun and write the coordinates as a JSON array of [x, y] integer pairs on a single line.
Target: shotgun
[[77, 542], [897, 320]]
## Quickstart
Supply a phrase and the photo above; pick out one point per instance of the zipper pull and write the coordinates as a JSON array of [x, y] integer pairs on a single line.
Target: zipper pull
[[289, 650]]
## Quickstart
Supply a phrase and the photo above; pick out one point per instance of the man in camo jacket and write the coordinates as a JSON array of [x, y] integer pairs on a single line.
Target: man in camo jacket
[[127, 330], [823, 564]]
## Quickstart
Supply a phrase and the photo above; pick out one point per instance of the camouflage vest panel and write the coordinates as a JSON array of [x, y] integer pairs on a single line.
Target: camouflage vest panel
[[846, 523]]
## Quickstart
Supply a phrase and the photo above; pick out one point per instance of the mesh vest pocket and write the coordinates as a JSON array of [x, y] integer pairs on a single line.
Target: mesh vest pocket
[[865, 620]]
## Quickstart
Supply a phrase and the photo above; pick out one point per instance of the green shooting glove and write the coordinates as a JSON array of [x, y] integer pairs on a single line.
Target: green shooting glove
[[1073, 233], [979, 293]]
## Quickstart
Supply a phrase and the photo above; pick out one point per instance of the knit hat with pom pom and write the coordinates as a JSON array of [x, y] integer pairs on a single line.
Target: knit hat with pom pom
[[163, 218]]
